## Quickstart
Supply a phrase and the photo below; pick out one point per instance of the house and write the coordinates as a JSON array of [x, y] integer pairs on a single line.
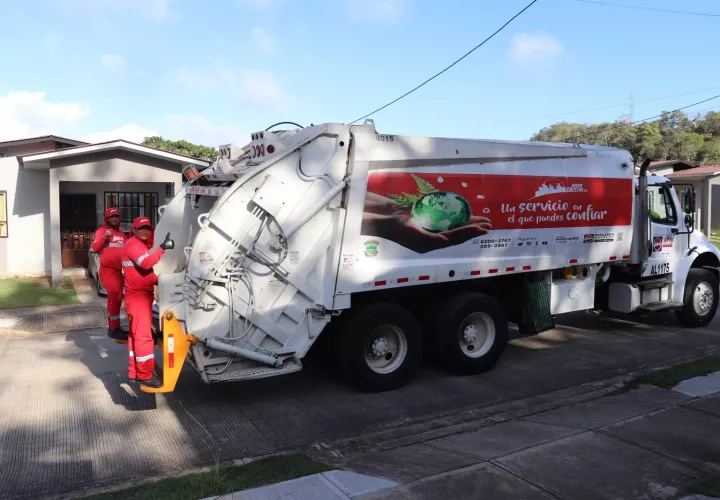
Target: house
[[54, 192]]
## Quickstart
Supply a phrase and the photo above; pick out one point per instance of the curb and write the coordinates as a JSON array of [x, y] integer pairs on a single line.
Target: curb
[[55, 319]]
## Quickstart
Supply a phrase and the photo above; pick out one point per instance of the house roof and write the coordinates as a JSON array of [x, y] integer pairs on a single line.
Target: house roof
[[42, 160], [667, 163], [705, 171], [40, 138]]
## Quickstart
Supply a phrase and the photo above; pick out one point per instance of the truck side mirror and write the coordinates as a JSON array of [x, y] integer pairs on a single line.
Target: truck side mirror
[[689, 221]]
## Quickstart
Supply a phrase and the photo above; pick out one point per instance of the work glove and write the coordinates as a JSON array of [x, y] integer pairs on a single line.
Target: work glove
[[168, 244], [107, 234]]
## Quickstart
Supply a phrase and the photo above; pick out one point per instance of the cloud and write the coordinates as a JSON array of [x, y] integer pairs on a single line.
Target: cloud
[[28, 114], [258, 5], [129, 132], [113, 63], [151, 9], [263, 88], [261, 41], [538, 50], [257, 86], [197, 129], [376, 10]]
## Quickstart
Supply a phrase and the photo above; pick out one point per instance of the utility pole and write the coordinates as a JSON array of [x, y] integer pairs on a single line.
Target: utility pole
[[632, 106]]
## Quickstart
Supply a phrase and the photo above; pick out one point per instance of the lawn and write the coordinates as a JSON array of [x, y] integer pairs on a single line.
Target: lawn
[[221, 480], [672, 376], [708, 486], [34, 292]]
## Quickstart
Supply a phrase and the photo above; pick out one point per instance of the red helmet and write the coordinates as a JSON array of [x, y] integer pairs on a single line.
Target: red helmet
[[142, 221], [112, 212]]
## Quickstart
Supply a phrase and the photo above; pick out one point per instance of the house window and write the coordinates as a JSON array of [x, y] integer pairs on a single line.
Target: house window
[[132, 205], [169, 192], [3, 215]]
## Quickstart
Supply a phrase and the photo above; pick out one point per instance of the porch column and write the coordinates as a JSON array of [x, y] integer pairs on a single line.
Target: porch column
[[706, 196], [55, 243]]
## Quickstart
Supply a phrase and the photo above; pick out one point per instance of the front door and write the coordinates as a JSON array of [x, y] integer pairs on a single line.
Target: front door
[[663, 226], [78, 222]]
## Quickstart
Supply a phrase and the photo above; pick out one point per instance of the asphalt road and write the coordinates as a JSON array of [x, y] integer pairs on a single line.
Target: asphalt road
[[69, 422]]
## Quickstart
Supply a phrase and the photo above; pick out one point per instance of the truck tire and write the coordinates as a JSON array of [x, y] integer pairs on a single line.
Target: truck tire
[[468, 333], [379, 347], [700, 300]]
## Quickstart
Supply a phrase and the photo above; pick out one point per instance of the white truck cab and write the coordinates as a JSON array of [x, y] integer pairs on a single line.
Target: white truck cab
[[682, 267]]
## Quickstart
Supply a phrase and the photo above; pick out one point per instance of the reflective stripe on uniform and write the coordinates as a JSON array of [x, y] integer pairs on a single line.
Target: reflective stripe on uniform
[[142, 258], [115, 245], [132, 353], [128, 263], [114, 317], [140, 359]]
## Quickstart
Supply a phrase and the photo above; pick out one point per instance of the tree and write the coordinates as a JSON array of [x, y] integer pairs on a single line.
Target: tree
[[182, 147], [674, 136]]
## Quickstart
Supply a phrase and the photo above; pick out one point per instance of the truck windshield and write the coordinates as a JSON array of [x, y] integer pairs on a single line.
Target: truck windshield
[[662, 208]]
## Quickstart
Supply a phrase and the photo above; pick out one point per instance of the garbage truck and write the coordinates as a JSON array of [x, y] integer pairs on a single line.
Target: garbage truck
[[388, 249]]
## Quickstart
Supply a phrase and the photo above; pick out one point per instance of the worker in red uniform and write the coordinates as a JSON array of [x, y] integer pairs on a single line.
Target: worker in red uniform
[[140, 280], [108, 243]]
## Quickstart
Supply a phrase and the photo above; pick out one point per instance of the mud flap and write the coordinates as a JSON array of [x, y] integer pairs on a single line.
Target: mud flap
[[175, 346]]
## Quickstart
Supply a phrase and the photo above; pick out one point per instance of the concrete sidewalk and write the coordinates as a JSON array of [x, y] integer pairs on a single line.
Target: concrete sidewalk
[[647, 443]]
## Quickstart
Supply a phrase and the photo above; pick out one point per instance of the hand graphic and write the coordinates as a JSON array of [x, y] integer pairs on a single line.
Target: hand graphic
[[404, 230]]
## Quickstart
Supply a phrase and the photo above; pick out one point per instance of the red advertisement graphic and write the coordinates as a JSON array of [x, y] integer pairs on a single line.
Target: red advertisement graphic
[[424, 212]]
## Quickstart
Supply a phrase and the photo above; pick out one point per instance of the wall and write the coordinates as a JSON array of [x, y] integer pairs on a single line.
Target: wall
[[116, 166], [26, 250], [99, 189]]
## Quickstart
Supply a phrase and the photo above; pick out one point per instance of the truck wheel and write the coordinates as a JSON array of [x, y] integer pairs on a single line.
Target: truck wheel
[[379, 347], [701, 298], [469, 333]]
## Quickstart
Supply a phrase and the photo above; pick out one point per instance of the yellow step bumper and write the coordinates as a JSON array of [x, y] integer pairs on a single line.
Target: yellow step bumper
[[175, 346]]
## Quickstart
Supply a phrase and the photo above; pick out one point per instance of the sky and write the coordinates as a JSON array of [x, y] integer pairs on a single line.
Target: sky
[[213, 72]]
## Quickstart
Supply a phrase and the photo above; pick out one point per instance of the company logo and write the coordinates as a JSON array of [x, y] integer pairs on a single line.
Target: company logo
[[667, 242], [371, 248], [599, 238], [565, 239], [555, 186], [657, 244]]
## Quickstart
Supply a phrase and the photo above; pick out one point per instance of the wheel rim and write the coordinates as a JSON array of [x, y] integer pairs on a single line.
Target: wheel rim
[[386, 349], [703, 298], [476, 335]]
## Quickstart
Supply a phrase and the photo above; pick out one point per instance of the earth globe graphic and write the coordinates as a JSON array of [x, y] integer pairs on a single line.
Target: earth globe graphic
[[441, 211]]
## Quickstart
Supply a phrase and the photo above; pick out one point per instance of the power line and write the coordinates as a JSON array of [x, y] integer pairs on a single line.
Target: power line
[[620, 125], [637, 7], [447, 68], [597, 109]]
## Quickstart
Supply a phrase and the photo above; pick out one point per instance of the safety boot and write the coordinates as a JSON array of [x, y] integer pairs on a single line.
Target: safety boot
[[151, 382], [117, 334]]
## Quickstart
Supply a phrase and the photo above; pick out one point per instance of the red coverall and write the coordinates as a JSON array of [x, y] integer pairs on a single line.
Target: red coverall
[[110, 273], [138, 262]]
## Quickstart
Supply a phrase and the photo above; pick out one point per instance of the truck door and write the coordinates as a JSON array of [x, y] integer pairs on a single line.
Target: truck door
[[663, 226]]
